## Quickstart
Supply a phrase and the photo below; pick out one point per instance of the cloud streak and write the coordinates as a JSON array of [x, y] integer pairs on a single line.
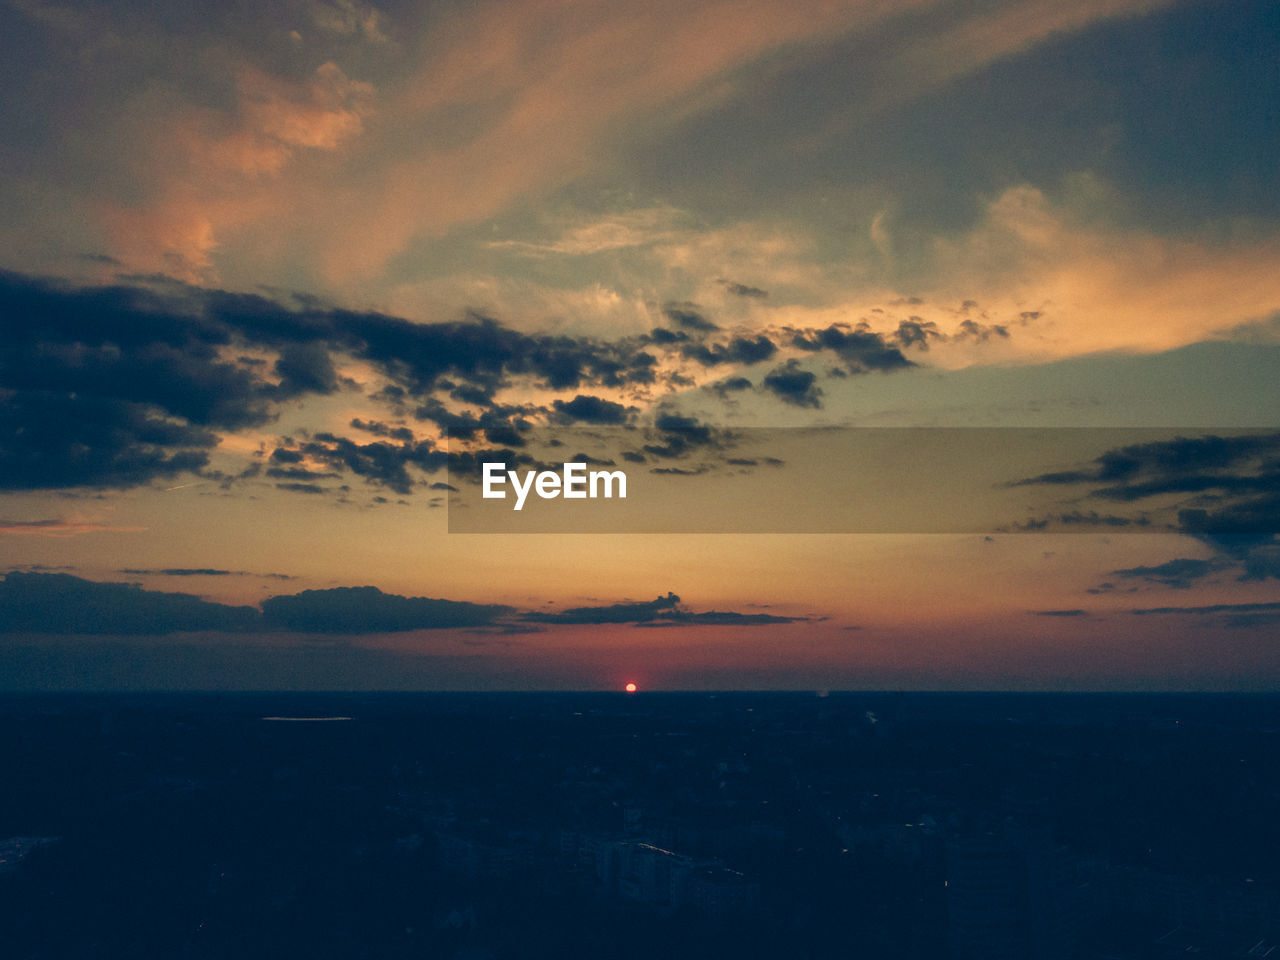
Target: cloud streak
[[122, 385], [663, 611], [503, 102], [59, 603]]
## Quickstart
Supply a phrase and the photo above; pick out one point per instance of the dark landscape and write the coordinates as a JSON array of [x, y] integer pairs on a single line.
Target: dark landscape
[[605, 825]]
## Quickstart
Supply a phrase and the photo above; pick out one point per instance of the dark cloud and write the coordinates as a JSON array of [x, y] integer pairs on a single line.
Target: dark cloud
[[1078, 520], [128, 384], [378, 462], [680, 435], [742, 290], [1179, 465], [862, 350], [305, 368], [461, 426], [615, 613], [742, 350], [1194, 483], [506, 433], [659, 612], [640, 369], [393, 396], [54, 439], [61, 603], [730, 385], [1060, 613], [688, 317], [1179, 574], [368, 610], [179, 572], [972, 330], [298, 473], [587, 409], [916, 332], [202, 572], [687, 429], [121, 385], [379, 429], [1262, 563], [794, 386], [663, 336], [128, 346], [311, 488], [479, 354], [500, 423], [58, 603], [469, 393], [1238, 527], [1230, 485], [748, 351], [479, 350], [1211, 609], [1229, 490], [115, 386]]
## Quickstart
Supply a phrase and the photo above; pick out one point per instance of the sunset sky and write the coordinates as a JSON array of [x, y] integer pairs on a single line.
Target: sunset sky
[[273, 278]]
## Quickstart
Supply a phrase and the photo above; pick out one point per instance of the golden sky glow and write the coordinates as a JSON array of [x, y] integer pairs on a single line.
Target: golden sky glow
[[263, 274]]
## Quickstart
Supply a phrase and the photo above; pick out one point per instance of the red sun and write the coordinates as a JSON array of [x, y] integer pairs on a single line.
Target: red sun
[[630, 688]]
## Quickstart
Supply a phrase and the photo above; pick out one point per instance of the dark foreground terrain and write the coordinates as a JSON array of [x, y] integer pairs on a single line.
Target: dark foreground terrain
[[668, 825]]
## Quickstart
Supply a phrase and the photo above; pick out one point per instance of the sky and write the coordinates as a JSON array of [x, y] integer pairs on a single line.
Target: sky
[[973, 307]]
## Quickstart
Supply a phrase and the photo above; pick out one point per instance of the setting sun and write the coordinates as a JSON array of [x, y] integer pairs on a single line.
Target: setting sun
[[630, 688]]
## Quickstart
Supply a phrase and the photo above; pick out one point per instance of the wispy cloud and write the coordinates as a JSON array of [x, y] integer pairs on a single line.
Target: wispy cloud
[[210, 169], [560, 83], [1092, 288], [633, 228], [61, 528]]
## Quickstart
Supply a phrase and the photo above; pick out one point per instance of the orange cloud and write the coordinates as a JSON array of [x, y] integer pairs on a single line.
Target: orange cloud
[[564, 80], [207, 168], [513, 100], [320, 114], [1103, 289]]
